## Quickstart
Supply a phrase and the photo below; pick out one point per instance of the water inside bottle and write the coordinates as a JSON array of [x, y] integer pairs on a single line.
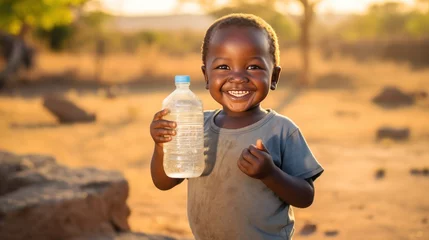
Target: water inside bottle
[[184, 155]]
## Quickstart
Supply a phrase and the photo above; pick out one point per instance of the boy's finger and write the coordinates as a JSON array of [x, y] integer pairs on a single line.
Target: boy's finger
[[249, 156], [258, 153], [163, 139], [163, 124], [260, 145], [243, 165], [160, 114], [164, 132]]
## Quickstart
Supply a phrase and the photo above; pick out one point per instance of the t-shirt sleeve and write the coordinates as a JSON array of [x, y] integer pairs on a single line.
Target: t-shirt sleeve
[[298, 160]]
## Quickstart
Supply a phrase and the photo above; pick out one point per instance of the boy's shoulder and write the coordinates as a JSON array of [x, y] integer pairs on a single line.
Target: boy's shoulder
[[282, 120], [208, 114]]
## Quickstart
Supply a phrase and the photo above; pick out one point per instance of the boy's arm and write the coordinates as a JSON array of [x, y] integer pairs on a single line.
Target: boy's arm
[[294, 191], [256, 162], [159, 178], [161, 131]]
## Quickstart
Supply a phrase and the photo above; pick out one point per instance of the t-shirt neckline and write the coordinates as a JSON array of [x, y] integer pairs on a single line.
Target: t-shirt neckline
[[250, 127]]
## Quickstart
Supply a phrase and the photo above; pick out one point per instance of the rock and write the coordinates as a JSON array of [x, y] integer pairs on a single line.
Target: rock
[[393, 97], [66, 111], [11, 165], [331, 233], [416, 171], [380, 173], [40, 199], [398, 134], [420, 95], [308, 229], [112, 92]]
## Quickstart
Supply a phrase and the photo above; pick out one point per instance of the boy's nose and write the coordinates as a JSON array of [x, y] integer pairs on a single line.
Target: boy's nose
[[237, 77]]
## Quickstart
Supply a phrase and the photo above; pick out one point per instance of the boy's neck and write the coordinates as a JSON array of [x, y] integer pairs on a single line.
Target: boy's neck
[[235, 120]]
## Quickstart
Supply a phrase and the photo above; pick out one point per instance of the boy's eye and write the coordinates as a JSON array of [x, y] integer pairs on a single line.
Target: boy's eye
[[253, 67], [224, 67]]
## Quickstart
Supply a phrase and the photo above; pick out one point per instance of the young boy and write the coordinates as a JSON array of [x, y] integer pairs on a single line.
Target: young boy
[[258, 164]]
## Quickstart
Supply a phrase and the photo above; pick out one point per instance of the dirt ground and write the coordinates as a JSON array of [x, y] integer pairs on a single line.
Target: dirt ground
[[336, 116], [339, 124]]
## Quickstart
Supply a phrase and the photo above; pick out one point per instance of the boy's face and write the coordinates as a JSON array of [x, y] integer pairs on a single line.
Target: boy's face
[[239, 69]]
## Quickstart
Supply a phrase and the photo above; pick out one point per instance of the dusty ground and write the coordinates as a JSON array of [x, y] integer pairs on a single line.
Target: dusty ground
[[338, 121]]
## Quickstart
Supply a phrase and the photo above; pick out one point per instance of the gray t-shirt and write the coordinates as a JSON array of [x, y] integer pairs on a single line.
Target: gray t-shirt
[[225, 203]]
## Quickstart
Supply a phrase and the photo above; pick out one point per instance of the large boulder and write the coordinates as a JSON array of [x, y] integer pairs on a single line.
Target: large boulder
[[42, 200]]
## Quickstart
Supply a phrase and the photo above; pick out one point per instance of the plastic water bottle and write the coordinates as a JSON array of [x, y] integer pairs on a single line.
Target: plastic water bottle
[[184, 154]]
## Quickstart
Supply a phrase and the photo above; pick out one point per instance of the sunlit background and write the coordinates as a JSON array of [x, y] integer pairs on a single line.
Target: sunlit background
[[165, 7], [80, 80]]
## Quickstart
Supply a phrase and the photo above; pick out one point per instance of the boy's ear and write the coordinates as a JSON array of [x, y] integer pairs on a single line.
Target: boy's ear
[[275, 77], [203, 69]]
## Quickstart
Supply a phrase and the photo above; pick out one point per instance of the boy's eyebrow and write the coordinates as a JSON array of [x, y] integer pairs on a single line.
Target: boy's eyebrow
[[220, 58], [258, 58]]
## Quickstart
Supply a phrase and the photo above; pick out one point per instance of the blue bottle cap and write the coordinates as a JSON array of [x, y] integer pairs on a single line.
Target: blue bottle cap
[[182, 79]]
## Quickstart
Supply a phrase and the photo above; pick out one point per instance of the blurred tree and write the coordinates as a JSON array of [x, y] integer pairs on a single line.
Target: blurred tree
[[86, 28], [56, 37], [19, 16], [418, 24], [391, 19], [306, 22], [388, 20]]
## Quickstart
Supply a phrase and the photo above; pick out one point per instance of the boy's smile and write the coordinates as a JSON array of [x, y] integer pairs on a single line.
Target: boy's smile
[[239, 69]]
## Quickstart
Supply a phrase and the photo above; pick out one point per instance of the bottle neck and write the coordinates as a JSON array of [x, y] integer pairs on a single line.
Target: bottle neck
[[182, 85]]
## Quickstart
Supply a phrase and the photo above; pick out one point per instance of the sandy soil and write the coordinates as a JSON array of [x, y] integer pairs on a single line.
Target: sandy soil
[[339, 124]]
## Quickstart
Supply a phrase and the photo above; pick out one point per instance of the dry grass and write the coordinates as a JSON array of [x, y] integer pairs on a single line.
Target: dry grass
[[336, 116]]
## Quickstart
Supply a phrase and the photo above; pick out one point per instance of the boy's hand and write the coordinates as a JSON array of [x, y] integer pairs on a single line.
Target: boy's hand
[[256, 161], [162, 130]]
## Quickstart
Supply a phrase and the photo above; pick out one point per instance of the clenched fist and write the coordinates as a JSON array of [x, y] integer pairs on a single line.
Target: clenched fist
[[255, 161]]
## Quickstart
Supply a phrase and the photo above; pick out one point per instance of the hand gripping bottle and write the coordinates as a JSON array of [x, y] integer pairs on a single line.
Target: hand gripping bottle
[[184, 154]]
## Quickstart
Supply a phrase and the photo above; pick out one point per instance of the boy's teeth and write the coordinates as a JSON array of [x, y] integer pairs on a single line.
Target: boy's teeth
[[238, 93]]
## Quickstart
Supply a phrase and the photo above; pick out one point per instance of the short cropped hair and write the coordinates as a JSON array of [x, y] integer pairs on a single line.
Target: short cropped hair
[[243, 20]]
